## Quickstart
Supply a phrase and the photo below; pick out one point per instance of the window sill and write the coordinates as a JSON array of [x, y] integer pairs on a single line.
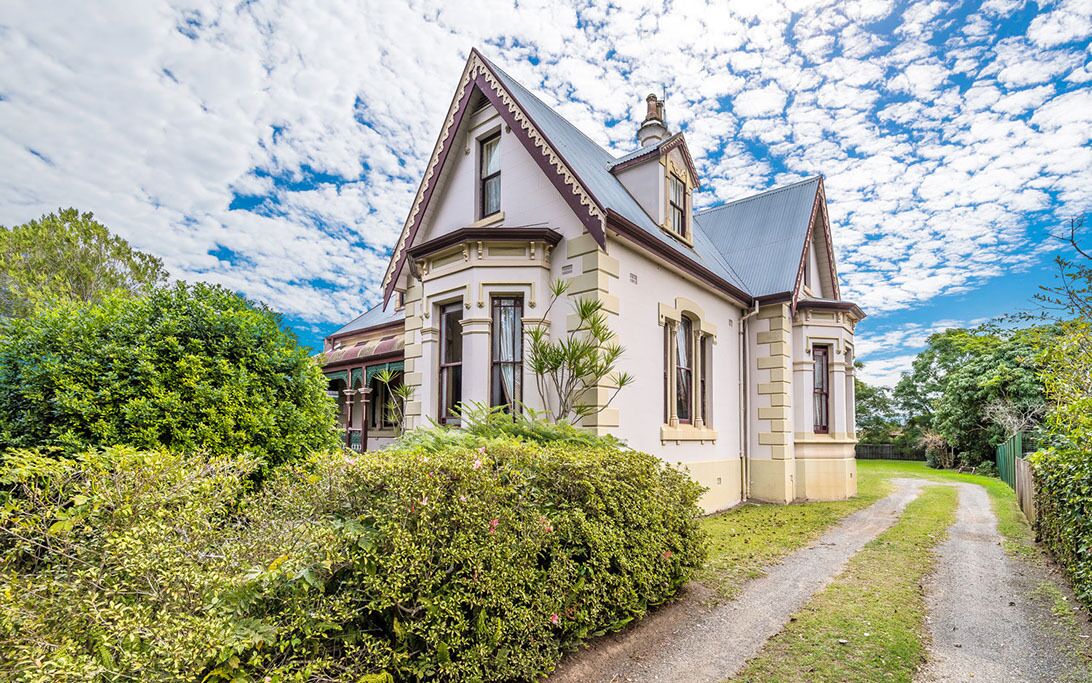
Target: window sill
[[685, 240], [685, 432], [491, 219]]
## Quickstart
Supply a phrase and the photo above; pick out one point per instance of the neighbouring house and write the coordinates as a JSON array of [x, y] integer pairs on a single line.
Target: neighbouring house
[[731, 317]]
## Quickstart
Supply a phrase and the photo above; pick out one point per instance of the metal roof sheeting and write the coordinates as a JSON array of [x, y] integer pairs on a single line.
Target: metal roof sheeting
[[762, 236], [374, 317], [752, 243]]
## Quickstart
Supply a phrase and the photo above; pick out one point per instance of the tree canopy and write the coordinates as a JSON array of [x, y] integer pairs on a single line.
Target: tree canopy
[[966, 377], [68, 255]]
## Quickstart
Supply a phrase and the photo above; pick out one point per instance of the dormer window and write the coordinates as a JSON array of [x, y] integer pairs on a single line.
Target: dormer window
[[677, 205], [490, 176]]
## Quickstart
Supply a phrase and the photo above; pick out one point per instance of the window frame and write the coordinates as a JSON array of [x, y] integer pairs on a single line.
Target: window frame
[[673, 207], [820, 395], [497, 304], [445, 414], [484, 179]]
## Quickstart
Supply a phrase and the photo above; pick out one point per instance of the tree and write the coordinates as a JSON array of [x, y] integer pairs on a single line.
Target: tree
[[68, 255], [876, 416], [961, 373], [579, 363], [187, 368]]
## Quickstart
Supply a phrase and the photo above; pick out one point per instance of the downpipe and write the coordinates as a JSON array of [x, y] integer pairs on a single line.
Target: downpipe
[[744, 396]]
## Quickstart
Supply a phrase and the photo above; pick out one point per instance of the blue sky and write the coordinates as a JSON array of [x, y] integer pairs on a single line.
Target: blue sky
[[274, 147]]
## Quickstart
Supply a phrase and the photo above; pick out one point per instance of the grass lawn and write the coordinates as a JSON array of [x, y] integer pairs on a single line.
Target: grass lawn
[[869, 623], [745, 540]]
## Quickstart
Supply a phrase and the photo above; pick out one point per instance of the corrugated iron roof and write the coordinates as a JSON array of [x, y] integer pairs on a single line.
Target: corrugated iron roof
[[762, 236], [592, 164], [374, 317]]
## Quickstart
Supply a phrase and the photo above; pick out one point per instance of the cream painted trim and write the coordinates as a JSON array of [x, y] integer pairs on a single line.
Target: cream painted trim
[[506, 288], [475, 67], [685, 432], [491, 219], [691, 307]]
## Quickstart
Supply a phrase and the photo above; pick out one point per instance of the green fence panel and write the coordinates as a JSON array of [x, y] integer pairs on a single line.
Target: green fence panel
[[1007, 453]]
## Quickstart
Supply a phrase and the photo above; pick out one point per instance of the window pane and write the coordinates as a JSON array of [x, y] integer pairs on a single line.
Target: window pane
[[682, 394], [682, 344], [507, 345], [452, 332], [491, 195], [490, 158], [677, 190]]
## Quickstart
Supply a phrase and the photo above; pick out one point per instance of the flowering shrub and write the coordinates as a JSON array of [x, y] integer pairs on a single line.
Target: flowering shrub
[[480, 560]]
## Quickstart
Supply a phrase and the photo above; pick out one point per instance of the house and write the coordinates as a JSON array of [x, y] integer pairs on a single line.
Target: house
[[739, 341]]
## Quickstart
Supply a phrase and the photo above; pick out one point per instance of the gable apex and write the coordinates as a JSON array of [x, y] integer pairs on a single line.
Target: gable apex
[[511, 101]]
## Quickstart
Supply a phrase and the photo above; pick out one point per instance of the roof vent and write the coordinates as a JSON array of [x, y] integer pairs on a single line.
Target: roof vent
[[654, 128]]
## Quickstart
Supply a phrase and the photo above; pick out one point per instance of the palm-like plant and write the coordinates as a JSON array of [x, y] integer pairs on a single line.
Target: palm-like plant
[[399, 393], [567, 369]]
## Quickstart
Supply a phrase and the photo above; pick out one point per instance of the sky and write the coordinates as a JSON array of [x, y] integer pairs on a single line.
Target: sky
[[274, 147]]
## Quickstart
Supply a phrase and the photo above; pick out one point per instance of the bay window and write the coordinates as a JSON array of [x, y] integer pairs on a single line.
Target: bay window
[[507, 354], [451, 362]]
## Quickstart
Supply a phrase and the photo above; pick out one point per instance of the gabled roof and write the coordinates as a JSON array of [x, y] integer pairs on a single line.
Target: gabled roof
[[649, 152], [753, 247], [762, 237]]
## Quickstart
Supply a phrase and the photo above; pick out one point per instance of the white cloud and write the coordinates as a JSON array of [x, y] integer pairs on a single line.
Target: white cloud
[[156, 114], [763, 101]]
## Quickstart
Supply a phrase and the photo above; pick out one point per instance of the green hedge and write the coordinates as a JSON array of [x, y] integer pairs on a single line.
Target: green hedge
[[1063, 503], [479, 560], [189, 367]]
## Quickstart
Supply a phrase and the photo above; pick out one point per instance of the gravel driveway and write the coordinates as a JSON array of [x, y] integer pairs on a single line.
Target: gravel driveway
[[687, 641], [986, 619]]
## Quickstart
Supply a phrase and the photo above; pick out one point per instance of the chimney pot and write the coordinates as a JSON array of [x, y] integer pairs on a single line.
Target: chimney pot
[[654, 128]]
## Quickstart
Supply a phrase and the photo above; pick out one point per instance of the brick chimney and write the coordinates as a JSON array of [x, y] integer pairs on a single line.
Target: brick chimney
[[654, 128]]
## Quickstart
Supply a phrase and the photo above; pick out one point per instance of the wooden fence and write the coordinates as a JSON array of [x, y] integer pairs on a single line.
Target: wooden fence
[[887, 451], [1016, 472], [1025, 488]]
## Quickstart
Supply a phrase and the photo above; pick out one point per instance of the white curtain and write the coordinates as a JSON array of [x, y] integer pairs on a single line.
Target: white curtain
[[509, 329]]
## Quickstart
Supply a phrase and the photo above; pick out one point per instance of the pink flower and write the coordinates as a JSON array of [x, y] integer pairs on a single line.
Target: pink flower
[[424, 500], [477, 463], [554, 619], [482, 450], [545, 524], [667, 554], [462, 499], [493, 525]]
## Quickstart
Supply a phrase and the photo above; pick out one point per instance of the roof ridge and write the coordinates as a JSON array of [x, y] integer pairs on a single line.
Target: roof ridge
[[764, 193]]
